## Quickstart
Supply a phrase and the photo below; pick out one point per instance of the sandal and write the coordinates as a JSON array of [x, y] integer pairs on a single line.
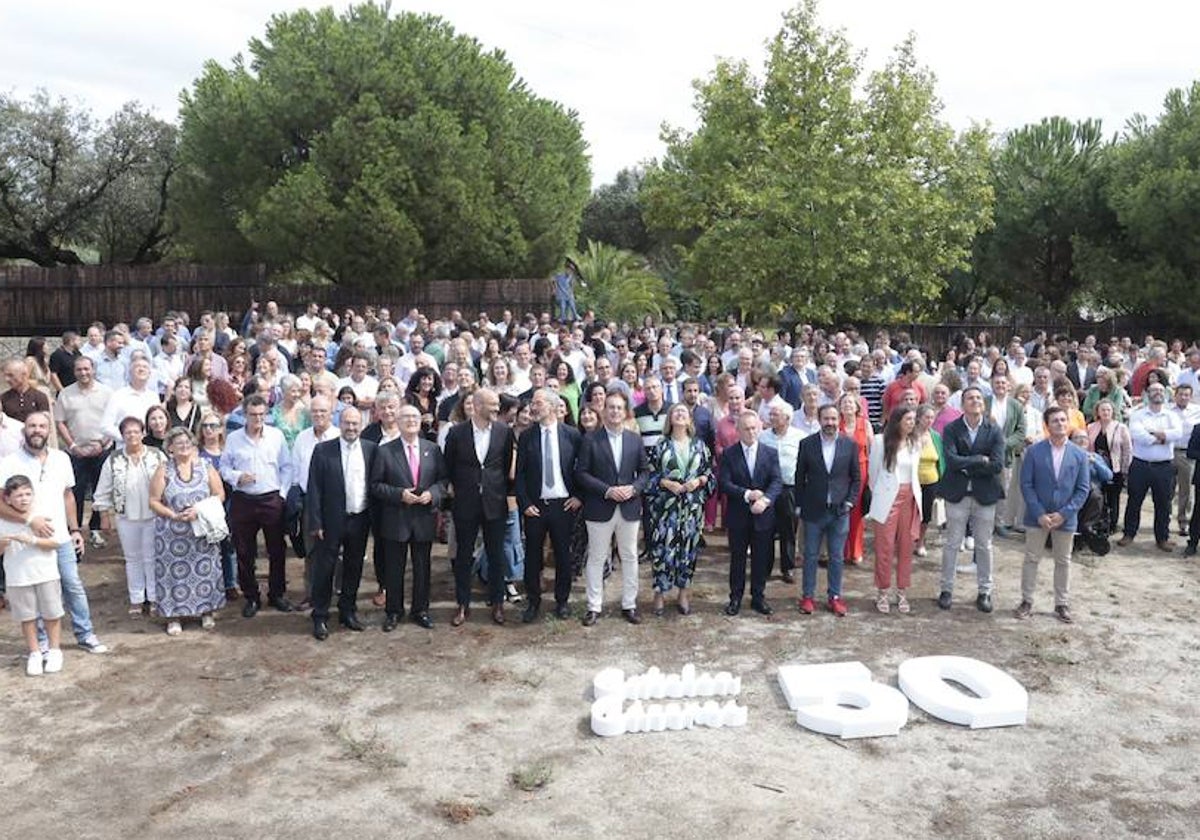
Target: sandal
[[881, 603], [902, 604]]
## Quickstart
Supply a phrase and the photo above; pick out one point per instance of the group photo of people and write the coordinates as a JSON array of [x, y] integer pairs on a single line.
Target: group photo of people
[[554, 457]]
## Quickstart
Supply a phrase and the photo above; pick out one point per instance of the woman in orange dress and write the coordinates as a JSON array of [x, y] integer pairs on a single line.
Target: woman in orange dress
[[854, 426]]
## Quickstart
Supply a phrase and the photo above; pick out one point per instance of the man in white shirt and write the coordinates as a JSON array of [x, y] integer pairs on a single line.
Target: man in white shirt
[[1190, 374], [257, 465], [1155, 432], [364, 386], [132, 400], [785, 438], [54, 511], [111, 365], [1188, 413], [80, 411], [321, 430]]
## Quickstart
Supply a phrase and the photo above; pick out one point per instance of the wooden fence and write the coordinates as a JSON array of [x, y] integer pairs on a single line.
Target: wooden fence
[[46, 301]]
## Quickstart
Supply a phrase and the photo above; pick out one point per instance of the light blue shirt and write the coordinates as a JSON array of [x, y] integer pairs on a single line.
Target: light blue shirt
[[267, 459]]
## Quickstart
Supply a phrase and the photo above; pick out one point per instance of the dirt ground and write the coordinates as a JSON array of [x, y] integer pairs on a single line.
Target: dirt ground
[[255, 730]]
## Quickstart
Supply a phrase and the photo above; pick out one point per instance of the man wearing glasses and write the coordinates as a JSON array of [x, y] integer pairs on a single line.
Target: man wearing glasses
[[257, 465]]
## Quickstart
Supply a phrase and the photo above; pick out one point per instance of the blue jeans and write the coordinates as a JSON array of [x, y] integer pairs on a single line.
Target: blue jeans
[[74, 597], [833, 527], [514, 551]]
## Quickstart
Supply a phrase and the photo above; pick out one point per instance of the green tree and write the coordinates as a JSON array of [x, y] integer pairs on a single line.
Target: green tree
[[1045, 178], [614, 214], [1148, 260], [619, 285], [375, 150], [63, 175], [798, 191]]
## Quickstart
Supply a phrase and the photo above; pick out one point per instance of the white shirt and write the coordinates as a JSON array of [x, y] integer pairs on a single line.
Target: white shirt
[[617, 443], [302, 452], [12, 435], [483, 440], [26, 565], [1145, 446], [354, 474], [51, 478], [807, 427], [553, 486], [83, 411], [1187, 376], [999, 411], [751, 453], [788, 447], [764, 408], [828, 450], [1188, 417], [127, 402]]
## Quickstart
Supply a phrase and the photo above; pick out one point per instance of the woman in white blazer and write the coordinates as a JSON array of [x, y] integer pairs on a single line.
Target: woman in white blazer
[[895, 505]]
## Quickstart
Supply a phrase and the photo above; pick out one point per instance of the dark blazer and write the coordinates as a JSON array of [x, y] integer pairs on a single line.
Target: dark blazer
[[529, 462], [595, 472], [735, 480], [965, 463], [480, 490], [814, 484], [325, 498], [390, 477], [1193, 452], [1084, 381], [706, 428]]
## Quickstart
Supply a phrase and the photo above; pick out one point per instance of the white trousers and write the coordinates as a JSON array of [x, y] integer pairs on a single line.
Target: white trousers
[[137, 544], [600, 535]]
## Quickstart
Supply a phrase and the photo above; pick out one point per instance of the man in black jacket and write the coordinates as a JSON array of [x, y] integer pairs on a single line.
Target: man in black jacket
[[546, 495], [337, 517], [479, 462], [971, 486]]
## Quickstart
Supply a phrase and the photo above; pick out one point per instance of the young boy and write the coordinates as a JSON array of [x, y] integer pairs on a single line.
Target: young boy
[[34, 587]]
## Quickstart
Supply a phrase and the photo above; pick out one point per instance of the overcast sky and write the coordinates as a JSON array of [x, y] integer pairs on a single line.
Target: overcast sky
[[627, 67]]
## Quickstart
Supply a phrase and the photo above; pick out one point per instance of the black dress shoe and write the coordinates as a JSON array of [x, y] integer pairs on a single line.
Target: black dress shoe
[[530, 614], [632, 616], [498, 614], [983, 603], [589, 618], [423, 620], [562, 611], [320, 631], [351, 622], [1190, 551], [761, 607], [945, 599], [733, 607], [390, 622], [250, 609], [282, 604]]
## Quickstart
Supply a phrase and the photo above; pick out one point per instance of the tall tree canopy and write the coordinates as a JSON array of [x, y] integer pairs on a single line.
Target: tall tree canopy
[[798, 189], [68, 182], [613, 214], [375, 149]]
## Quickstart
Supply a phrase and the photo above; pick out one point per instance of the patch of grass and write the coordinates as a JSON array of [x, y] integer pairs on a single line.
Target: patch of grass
[[458, 812], [532, 777], [369, 748]]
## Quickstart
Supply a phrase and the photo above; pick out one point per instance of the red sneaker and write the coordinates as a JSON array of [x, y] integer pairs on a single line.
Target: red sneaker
[[837, 606], [807, 605]]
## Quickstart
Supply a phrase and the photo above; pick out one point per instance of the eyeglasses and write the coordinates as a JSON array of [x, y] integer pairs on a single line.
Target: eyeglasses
[[210, 425]]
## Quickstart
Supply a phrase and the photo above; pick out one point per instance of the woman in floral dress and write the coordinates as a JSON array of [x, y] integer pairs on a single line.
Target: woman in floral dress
[[680, 482], [187, 568]]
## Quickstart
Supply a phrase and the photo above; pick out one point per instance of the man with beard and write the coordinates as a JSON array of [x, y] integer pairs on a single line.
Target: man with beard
[[53, 481], [1155, 432]]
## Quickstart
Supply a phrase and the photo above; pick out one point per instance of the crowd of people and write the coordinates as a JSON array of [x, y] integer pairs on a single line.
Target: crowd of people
[[588, 445]]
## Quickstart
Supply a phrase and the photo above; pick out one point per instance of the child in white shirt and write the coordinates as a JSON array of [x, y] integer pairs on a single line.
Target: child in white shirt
[[34, 586]]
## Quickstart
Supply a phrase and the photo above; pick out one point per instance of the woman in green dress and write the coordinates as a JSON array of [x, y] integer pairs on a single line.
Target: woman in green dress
[[681, 480]]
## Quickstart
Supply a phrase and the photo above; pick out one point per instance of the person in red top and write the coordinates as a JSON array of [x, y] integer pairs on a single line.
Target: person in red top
[[907, 377], [1155, 359]]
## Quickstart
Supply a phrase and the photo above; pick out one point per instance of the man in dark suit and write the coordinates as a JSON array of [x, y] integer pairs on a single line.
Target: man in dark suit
[[974, 448], [1081, 371], [827, 484], [479, 464], [546, 495], [612, 471], [751, 482], [337, 518], [408, 482]]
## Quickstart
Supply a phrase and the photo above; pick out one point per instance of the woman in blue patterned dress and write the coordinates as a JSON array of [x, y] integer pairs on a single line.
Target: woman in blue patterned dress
[[187, 568], [681, 480]]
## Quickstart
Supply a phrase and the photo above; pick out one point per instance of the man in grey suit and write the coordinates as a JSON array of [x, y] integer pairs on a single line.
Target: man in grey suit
[[974, 449]]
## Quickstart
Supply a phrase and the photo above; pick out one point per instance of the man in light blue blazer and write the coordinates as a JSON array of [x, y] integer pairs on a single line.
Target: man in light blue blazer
[[1055, 482]]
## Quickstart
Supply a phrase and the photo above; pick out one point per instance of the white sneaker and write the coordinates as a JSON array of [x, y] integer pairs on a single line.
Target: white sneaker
[[53, 662], [93, 645], [921, 551], [207, 621], [969, 544], [174, 628], [33, 665], [966, 568], [97, 540]]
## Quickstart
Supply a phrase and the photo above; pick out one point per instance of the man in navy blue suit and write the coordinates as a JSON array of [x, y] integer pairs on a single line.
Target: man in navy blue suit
[[751, 482], [1055, 482]]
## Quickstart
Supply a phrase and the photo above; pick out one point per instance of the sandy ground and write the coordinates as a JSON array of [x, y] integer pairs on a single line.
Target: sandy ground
[[255, 730]]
